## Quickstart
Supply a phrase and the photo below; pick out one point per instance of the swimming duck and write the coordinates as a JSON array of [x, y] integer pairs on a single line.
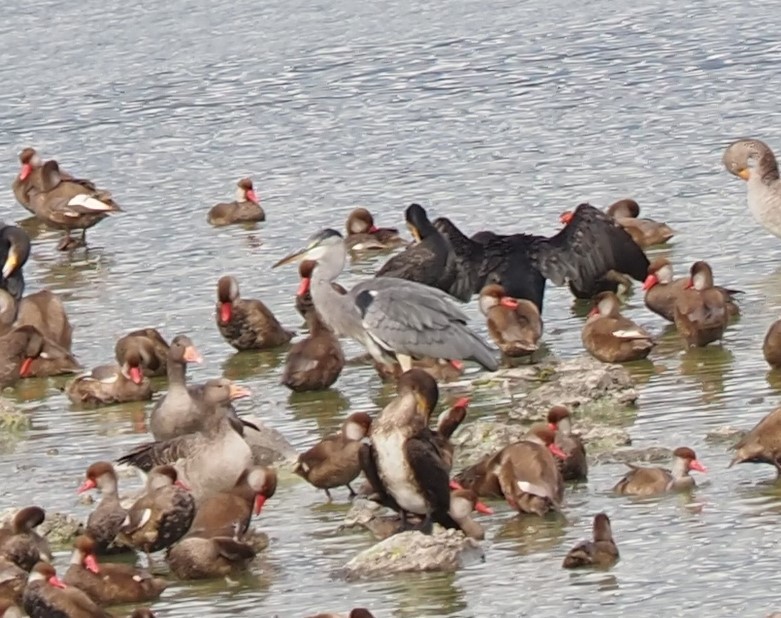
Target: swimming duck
[[600, 552], [762, 444], [105, 522], [641, 481], [244, 209], [645, 232], [363, 235], [610, 337], [701, 315], [205, 558], [47, 596], [107, 384], [149, 345]]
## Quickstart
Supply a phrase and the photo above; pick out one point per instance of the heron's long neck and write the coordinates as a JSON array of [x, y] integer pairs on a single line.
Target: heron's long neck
[[332, 306]]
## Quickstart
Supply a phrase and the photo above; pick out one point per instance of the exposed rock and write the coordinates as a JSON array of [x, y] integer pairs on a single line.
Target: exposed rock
[[378, 520], [653, 454], [268, 445], [11, 419], [407, 552], [726, 434], [61, 529]]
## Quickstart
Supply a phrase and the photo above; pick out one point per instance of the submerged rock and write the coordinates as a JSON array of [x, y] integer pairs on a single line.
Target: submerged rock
[[415, 552], [652, 454], [11, 419], [268, 445]]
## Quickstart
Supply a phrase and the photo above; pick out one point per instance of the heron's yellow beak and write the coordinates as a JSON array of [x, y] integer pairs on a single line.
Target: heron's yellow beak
[[297, 256], [744, 173], [11, 262]]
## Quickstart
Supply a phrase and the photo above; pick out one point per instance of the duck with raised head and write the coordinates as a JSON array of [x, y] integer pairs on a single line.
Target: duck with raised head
[[68, 205], [198, 557], [600, 552], [701, 315], [31, 162], [47, 596], [575, 466], [105, 522], [771, 346], [610, 337], [26, 353], [149, 345], [228, 513], [762, 444], [244, 209], [403, 464], [645, 232], [304, 300], [662, 290], [315, 362], [363, 235], [210, 460], [162, 515], [335, 461], [429, 260], [641, 481], [113, 383], [14, 253], [752, 160], [246, 323], [514, 324], [110, 583], [19, 541]]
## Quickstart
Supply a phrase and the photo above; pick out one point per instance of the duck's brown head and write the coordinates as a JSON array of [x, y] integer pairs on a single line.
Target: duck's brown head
[[165, 476], [27, 519], [558, 415], [423, 386], [84, 549], [245, 192], [132, 367], [43, 571], [227, 294], [183, 350], [305, 270], [492, 295], [601, 528], [687, 455], [624, 209], [360, 221], [659, 271], [542, 434], [700, 276], [30, 161], [100, 475], [606, 305], [262, 480], [356, 426], [33, 347]]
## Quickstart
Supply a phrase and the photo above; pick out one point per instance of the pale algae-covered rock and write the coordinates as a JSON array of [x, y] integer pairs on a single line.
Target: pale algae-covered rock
[[60, 528], [415, 552], [11, 419], [367, 514], [268, 445], [650, 455]]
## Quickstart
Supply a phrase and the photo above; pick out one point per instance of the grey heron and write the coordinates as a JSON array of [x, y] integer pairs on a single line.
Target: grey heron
[[394, 319]]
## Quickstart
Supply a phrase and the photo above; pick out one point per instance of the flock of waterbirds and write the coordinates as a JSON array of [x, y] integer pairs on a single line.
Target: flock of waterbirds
[[203, 481]]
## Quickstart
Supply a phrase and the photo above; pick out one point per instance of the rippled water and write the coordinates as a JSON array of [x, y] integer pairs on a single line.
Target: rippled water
[[497, 114]]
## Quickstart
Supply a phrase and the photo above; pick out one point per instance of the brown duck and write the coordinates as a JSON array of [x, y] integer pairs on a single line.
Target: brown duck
[[244, 209], [47, 596], [20, 543], [334, 461], [442, 370], [363, 235], [31, 162], [149, 345], [45, 311], [68, 205], [575, 466], [228, 513], [303, 296], [762, 444], [357, 612], [650, 481], [246, 324], [20, 348], [771, 346], [514, 324], [662, 290], [105, 522], [315, 362], [610, 337], [205, 558], [645, 232], [162, 515], [111, 583], [107, 384], [462, 503], [601, 552], [13, 579], [701, 315]]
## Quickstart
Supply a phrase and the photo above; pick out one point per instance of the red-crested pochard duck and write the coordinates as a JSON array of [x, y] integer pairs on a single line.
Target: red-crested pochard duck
[[14, 253], [601, 552], [228, 513], [20, 543], [701, 315], [315, 362], [304, 300], [110, 583], [514, 324], [107, 384], [149, 345], [462, 503], [334, 461], [245, 323], [162, 515], [26, 353], [210, 460], [575, 466], [179, 411], [402, 463], [363, 235], [46, 596], [105, 522], [68, 205], [527, 472], [645, 232], [650, 481], [762, 444], [45, 311], [771, 346], [31, 162], [357, 612], [244, 209], [662, 290], [13, 579], [206, 558], [610, 337], [442, 370]]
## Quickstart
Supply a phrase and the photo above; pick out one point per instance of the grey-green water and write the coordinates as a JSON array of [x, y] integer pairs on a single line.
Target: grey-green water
[[498, 114]]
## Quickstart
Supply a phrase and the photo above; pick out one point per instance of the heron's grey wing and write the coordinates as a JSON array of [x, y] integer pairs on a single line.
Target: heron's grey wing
[[592, 244]]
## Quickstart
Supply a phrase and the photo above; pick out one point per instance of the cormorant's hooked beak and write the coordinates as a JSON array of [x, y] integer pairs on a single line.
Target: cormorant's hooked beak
[[11, 262]]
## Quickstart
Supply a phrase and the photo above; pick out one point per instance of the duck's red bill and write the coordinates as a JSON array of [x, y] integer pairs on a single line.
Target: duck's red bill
[[260, 500], [696, 465], [455, 485], [136, 375], [86, 486], [92, 564], [56, 582], [554, 448], [24, 370], [226, 310], [303, 287], [481, 507]]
